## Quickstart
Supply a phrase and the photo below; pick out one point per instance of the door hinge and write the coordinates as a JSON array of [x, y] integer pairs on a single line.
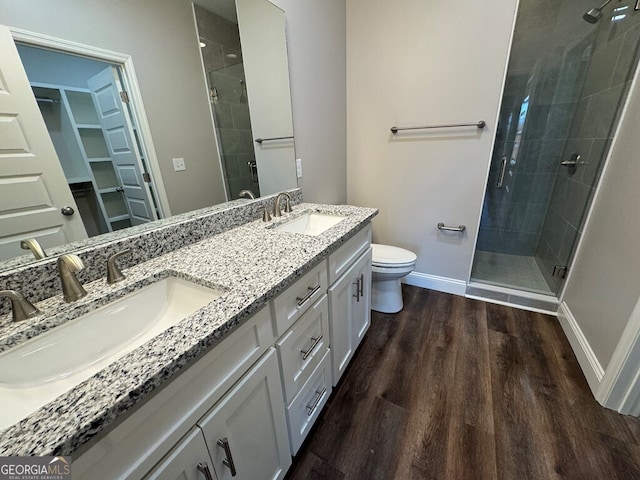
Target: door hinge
[[560, 271], [146, 177], [124, 96]]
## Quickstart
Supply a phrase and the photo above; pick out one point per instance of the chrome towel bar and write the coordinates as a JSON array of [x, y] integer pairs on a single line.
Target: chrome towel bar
[[459, 228], [481, 124], [260, 140]]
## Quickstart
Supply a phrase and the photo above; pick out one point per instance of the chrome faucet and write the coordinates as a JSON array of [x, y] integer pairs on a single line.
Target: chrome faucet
[[246, 194], [33, 245], [114, 274], [277, 212], [68, 266], [21, 308]]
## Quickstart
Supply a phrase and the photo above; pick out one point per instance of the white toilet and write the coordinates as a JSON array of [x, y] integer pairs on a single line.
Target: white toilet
[[389, 265]]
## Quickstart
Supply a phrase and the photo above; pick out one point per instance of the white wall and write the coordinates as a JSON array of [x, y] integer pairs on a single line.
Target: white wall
[[316, 33], [160, 37], [604, 285], [416, 62]]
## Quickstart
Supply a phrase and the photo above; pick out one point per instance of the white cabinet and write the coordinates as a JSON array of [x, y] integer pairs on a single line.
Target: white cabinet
[[189, 460], [349, 305], [134, 446], [246, 431], [243, 436], [303, 346], [295, 300], [362, 308], [303, 350], [309, 402]]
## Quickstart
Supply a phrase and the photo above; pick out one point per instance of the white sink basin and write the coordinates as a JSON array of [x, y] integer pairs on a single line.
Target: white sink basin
[[37, 371], [311, 223]]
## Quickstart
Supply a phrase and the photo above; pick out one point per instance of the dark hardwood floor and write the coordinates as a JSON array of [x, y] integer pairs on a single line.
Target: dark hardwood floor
[[453, 388]]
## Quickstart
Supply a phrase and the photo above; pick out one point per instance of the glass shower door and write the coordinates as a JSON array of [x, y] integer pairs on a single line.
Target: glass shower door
[[558, 116]]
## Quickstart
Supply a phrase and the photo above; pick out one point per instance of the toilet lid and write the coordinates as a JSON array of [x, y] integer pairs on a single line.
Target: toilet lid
[[386, 255]]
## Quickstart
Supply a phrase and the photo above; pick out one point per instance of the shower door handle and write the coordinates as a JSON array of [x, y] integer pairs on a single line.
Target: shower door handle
[[503, 169], [572, 162]]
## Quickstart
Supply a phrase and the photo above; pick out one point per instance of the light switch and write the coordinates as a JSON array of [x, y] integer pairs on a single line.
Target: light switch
[[299, 167], [178, 164]]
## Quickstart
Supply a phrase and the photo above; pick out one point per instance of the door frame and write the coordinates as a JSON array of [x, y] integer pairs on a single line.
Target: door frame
[[125, 62]]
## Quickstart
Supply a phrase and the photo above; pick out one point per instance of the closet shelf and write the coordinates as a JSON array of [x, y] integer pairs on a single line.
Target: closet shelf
[[98, 159], [108, 189], [74, 180], [118, 218]]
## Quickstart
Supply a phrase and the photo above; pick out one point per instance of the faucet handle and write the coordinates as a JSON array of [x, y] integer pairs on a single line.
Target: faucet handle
[[287, 205], [266, 216], [21, 308], [114, 274]]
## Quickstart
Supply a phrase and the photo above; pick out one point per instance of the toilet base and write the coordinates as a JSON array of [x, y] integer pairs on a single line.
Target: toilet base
[[386, 295]]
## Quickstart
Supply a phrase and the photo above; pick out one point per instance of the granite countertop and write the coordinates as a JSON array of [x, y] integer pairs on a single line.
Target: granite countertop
[[251, 263]]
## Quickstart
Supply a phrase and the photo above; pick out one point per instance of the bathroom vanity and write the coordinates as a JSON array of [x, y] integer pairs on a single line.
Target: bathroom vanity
[[234, 386]]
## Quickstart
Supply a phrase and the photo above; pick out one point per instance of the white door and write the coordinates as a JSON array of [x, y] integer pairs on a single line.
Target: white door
[[118, 133], [264, 50], [189, 460], [33, 188], [247, 429]]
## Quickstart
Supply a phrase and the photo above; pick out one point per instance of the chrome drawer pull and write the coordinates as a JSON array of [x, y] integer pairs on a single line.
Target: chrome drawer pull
[[306, 353], [359, 283], [309, 294], [459, 228], [204, 468], [314, 405], [228, 461]]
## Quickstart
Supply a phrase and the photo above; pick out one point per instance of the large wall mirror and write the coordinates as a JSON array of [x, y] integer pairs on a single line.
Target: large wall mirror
[[209, 115]]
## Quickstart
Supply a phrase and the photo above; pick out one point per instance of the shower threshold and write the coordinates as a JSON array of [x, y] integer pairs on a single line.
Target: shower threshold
[[514, 280], [512, 297]]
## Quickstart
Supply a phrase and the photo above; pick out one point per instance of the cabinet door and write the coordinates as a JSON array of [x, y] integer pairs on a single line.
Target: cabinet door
[[247, 429], [362, 306], [341, 307], [189, 460], [349, 304]]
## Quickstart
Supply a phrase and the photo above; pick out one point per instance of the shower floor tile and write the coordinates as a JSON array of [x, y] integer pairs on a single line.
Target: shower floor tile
[[514, 271]]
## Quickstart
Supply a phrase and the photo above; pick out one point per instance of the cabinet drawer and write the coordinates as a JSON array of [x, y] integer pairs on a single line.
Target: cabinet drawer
[[296, 299], [306, 407], [341, 259], [302, 347]]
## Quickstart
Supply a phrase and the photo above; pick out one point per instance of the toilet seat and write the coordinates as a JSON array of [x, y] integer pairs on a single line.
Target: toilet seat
[[391, 257]]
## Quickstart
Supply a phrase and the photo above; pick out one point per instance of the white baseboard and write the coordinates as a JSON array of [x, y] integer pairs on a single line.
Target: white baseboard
[[441, 284], [587, 359]]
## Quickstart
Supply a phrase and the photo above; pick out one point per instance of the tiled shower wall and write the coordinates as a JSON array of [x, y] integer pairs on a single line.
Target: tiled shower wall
[[222, 58], [541, 93], [611, 68]]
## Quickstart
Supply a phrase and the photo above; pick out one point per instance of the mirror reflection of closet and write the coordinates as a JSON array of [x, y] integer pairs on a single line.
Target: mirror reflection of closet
[[63, 85]]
